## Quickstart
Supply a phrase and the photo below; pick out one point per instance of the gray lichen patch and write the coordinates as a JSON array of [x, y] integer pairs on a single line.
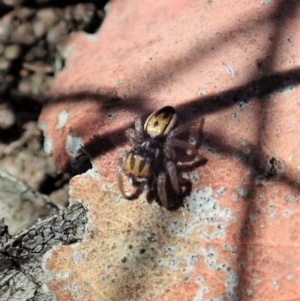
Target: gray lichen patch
[[48, 146], [230, 70], [232, 280], [222, 191], [159, 247], [79, 159], [78, 258], [204, 208], [62, 119], [194, 176], [74, 145], [265, 2], [242, 192]]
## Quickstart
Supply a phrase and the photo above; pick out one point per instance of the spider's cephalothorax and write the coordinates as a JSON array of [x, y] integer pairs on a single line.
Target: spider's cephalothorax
[[151, 163]]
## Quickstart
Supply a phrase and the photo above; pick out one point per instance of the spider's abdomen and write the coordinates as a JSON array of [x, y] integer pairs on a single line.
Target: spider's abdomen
[[161, 122], [138, 165]]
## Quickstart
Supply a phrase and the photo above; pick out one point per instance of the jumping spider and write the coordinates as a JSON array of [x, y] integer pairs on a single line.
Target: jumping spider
[[151, 163]]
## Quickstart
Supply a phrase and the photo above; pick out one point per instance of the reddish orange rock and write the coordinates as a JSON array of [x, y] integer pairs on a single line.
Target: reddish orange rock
[[236, 63]]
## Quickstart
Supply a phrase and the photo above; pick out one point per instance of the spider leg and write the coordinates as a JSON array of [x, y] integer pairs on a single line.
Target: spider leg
[[181, 144], [172, 171], [135, 136], [187, 126], [173, 142], [176, 143], [120, 175], [139, 128], [151, 189], [132, 136], [161, 189], [132, 195]]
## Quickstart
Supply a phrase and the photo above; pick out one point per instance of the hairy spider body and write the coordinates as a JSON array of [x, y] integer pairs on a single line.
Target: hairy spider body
[[151, 163], [141, 160], [138, 165]]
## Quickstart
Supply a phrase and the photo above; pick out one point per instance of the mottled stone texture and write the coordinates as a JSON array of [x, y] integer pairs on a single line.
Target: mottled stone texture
[[236, 63]]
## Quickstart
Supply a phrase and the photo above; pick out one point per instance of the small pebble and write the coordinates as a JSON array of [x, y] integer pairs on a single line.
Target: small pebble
[[48, 16], [2, 47], [57, 33], [36, 83], [39, 28], [4, 64], [7, 116], [12, 52], [12, 2]]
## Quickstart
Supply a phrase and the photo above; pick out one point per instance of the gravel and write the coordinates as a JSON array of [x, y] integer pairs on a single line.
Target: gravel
[[30, 32]]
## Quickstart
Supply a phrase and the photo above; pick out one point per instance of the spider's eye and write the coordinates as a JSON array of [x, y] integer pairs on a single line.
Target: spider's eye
[[161, 122]]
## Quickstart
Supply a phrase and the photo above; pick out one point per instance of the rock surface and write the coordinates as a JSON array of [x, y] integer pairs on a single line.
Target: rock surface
[[236, 238]]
